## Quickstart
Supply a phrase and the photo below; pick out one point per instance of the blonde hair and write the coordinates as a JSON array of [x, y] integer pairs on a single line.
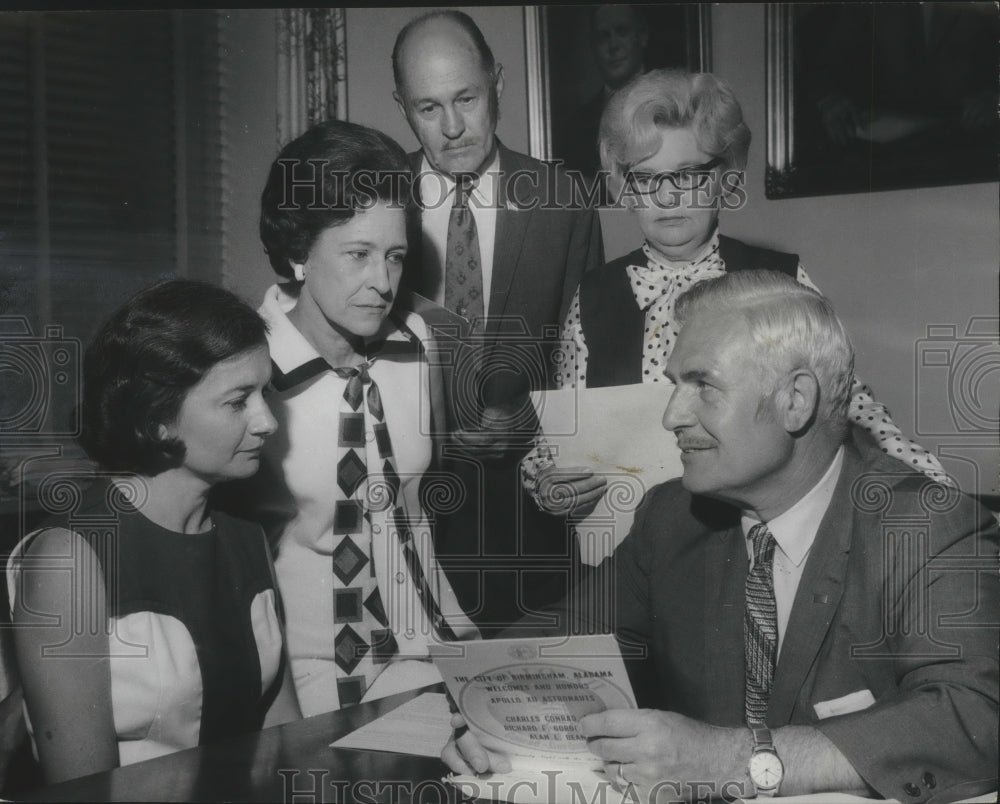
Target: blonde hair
[[635, 114]]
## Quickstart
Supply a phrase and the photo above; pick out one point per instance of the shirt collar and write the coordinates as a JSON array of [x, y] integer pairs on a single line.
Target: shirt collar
[[289, 348], [437, 188], [795, 530]]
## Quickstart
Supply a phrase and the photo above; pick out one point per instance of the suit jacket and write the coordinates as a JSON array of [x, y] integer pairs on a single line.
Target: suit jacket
[[544, 244], [899, 597]]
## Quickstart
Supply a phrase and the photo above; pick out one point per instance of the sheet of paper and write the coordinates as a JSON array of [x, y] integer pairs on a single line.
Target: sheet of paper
[[420, 726], [847, 798], [574, 786], [524, 697], [618, 432]]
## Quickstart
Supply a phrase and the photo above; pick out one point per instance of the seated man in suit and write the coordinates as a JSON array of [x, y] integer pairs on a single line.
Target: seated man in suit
[[814, 616], [502, 244]]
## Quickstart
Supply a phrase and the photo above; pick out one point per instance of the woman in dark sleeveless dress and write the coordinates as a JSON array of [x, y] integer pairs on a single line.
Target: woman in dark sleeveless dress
[[145, 621]]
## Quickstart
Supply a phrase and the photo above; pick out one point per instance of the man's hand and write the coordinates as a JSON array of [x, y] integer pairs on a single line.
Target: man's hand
[[573, 491], [500, 430], [667, 756], [464, 754]]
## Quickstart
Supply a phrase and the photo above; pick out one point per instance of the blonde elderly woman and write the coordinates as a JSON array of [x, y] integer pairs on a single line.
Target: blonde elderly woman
[[675, 147]]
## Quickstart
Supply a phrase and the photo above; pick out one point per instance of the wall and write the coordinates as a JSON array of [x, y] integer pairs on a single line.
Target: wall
[[894, 263], [251, 125]]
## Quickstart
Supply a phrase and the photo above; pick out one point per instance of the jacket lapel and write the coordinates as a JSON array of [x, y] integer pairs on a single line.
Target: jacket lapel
[[725, 575], [818, 595], [510, 230]]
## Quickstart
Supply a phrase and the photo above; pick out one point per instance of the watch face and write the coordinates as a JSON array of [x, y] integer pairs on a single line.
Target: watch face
[[766, 769]]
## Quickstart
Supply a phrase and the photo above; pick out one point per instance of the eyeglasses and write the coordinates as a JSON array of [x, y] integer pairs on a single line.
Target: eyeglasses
[[689, 178]]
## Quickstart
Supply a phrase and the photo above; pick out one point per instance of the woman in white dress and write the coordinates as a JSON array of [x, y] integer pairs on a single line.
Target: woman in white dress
[[364, 596]]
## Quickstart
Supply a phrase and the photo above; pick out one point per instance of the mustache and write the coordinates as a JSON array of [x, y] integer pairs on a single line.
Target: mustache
[[451, 146], [693, 442]]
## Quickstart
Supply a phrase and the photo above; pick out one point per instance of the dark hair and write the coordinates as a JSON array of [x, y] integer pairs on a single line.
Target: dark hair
[[145, 359], [322, 179], [462, 20]]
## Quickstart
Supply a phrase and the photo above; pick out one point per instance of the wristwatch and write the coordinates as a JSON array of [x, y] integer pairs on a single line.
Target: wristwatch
[[765, 768]]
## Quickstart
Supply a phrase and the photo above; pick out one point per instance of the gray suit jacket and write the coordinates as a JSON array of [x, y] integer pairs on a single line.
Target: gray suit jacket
[[899, 597]]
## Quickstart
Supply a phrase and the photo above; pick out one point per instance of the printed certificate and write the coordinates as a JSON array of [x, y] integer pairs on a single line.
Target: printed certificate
[[524, 697]]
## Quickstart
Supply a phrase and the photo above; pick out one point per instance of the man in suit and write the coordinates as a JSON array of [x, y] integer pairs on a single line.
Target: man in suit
[[813, 616], [503, 244]]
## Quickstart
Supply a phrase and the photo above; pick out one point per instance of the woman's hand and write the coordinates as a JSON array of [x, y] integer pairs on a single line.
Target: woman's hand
[[572, 491], [464, 754]]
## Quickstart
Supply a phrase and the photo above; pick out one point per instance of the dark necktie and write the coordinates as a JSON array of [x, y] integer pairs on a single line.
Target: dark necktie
[[366, 473], [760, 626], [463, 272]]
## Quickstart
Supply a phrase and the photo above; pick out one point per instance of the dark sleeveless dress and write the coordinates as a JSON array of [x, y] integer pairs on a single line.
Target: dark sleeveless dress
[[193, 628]]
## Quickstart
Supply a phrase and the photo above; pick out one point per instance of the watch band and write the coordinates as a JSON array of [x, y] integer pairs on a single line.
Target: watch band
[[762, 739]]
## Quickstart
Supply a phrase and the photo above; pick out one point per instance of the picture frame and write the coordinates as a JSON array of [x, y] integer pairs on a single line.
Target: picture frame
[[565, 81], [867, 97]]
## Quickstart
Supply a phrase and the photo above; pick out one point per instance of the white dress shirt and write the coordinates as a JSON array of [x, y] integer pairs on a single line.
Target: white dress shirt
[[437, 196], [794, 533]]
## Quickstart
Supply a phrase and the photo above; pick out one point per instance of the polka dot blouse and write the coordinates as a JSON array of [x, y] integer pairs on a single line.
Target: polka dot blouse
[[656, 287]]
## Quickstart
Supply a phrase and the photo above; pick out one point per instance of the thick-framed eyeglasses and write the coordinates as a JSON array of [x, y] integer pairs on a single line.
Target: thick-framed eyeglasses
[[689, 178]]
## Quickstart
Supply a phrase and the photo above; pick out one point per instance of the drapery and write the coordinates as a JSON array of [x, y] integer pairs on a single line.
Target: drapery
[[312, 69]]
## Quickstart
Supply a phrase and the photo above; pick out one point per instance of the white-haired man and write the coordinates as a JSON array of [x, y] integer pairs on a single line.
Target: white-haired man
[[815, 616]]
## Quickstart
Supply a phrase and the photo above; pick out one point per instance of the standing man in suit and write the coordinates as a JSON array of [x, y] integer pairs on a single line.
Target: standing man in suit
[[817, 617], [503, 244]]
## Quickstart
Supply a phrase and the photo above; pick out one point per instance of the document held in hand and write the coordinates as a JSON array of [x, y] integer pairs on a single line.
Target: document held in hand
[[616, 432], [524, 697]]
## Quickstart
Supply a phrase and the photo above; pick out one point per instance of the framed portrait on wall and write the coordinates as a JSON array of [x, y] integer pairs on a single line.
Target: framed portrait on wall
[[577, 55], [880, 96]]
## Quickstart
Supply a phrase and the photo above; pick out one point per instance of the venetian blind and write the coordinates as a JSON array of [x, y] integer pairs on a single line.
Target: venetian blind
[[110, 159]]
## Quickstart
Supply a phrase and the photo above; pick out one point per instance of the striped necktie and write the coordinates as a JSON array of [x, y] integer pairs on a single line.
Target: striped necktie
[[760, 626]]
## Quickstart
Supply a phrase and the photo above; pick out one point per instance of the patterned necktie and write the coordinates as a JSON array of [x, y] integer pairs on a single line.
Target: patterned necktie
[[760, 626], [364, 642], [463, 273]]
